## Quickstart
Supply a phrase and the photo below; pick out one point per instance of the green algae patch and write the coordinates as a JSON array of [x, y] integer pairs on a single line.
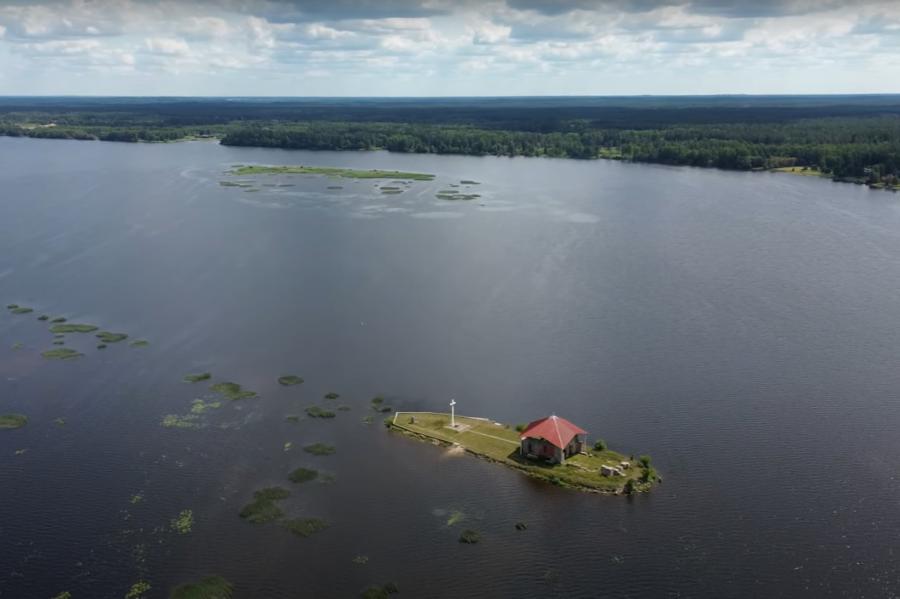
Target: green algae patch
[[383, 591], [108, 337], [302, 475], [63, 595], [290, 380], [292, 418], [59, 342], [60, 422], [319, 449], [21, 310], [361, 559], [177, 421], [139, 343], [456, 196], [61, 353], [469, 182], [213, 587], [317, 412], [63, 328], [469, 537], [101, 346], [331, 395], [58, 320], [347, 173], [138, 590], [43, 317], [288, 445], [232, 391], [455, 518], [199, 406], [196, 378], [263, 508], [11, 421], [305, 527], [183, 523]]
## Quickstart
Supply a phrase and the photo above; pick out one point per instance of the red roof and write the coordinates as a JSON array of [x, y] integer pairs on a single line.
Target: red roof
[[554, 429]]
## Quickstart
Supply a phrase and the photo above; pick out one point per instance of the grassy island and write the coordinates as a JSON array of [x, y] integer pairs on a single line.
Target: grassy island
[[13, 421], [500, 443], [347, 173]]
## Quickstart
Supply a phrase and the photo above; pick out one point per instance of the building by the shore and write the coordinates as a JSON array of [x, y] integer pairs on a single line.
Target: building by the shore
[[553, 439]]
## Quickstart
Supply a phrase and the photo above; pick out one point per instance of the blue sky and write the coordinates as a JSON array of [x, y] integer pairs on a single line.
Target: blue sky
[[443, 48]]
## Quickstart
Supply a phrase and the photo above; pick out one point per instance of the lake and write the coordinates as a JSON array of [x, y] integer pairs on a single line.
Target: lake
[[743, 329]]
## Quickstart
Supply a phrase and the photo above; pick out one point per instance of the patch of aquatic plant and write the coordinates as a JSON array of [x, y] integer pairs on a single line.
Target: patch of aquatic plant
[[334, 187], [138, 590], [12, 306], [196, 378], [234, 184], [331, 395], [139, 343], [389, 188], [305, 527], [59, 342], [319, 449], [289, 380], [198, 406], [137, 498], [288, 446], [21, 451], [213, 587], [58, 320], [381, 592], [368, 420], [10, 421], [22, 310], [292, 418], [232, 391], [108, 337], [469, 536], [302, 475], [183, 523], [64, 595], [326, 478], [453, 195], [343, 408], [101, 346], [73, 328], [455, 517], [176, 421], [59, 422], [521, 526], [361, 559], [317, 412], [43, 317], [61, 353], [263, 508], [469, 182], [348, 173], [17, 346]]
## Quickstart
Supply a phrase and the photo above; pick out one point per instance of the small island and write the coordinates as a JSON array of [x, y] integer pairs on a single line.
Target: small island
[[347, 173], [551, 449]]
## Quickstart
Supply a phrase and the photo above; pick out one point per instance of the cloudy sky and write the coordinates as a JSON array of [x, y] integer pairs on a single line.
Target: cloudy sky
[[444, 48]]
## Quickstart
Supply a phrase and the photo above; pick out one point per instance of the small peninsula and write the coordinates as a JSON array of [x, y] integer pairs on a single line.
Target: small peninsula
[[574, 465]]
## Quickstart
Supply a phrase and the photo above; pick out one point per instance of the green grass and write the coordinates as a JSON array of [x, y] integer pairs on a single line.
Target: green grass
[[61, 353], [183, 523], [317, 412], [196, 378], [319, 449], [305, 527], [263, 508], [63, 328], [232, 391], [10, 421], [107, 337], [213, 587], [302, 475], [501, 444], [348, 173], [290, 380]]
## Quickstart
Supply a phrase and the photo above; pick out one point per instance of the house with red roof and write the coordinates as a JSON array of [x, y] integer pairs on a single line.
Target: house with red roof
[[553, 439]]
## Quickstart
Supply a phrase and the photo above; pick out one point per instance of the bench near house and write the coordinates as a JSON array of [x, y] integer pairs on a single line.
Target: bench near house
[[553, 439]]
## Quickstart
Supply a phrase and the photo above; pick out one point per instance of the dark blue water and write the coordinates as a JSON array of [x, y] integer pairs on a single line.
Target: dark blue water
[[741, 328]]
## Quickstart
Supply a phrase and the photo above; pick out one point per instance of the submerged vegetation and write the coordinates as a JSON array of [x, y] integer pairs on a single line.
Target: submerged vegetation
[[212, 587], [383, 591], [302, 475], [304, 527], [138, 590], [348, 173], [9, 421], [469, 537], [183, 523], [231, 391], [264, 506]]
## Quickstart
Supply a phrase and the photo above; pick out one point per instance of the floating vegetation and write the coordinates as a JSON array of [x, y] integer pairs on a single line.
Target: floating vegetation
[[381, 592], [302, 475], [343, 408], [213, 587], [368, 420], [232, 391], [334, 187], [521, 526], [59, 342], [348, 173], [234, 184], [17, 346], [59, 422], [198, 406], [361, 559], [292, 418], [138, 590], [326, 478], [101, 346], [12, 306], [389, 188], [176, 421], [331, 395], [137, 498], [58, 320], [305, 527], [43, 317], [63, 595], [263, 508], [289, 380], [452, 195], [448, 192], [317, 412], [139, 343], [319, 449], [196, 378], [21, 451], [108, 337], [288, 446], [73, 328], [183, 523], [61, 353], [21, 310], [455, 517], [469, 536], [469, 182]]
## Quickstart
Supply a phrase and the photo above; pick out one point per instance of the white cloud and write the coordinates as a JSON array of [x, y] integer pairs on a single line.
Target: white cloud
[[167, 46]]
